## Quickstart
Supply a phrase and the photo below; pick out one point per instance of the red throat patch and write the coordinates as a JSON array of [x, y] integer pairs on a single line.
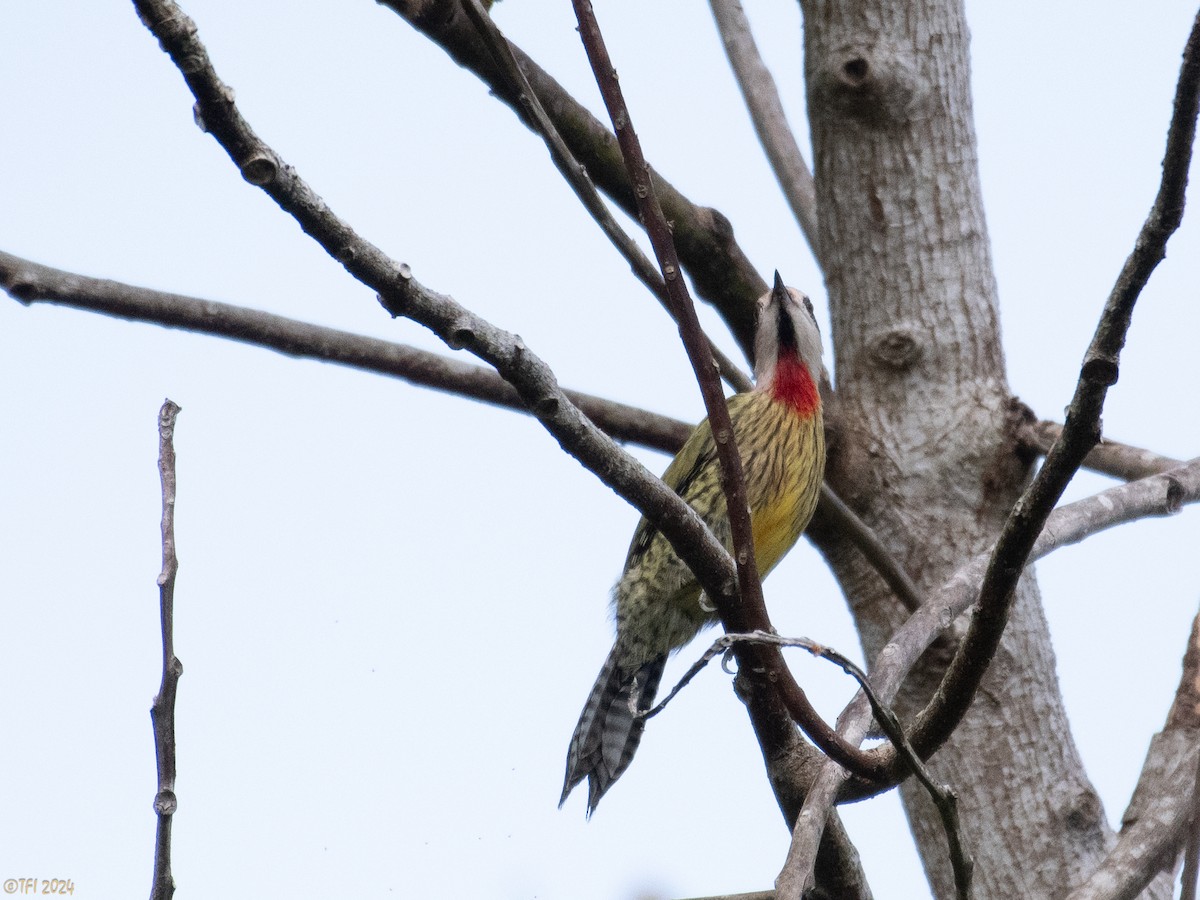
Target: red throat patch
[[793, 386]]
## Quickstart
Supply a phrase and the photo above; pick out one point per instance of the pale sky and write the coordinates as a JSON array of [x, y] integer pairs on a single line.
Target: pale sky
[[392, 602]]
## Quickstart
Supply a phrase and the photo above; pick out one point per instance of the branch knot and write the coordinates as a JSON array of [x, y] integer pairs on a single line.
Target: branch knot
[[876, 84]]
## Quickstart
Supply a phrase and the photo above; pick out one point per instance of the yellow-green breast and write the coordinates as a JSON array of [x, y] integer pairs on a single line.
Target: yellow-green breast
[[657, 600]]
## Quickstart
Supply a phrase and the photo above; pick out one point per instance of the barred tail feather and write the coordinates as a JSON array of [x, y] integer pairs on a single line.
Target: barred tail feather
[[609, 732]]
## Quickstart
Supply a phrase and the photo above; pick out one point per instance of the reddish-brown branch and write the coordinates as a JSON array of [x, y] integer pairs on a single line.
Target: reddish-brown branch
[[650, 212], [576, 176], [749, 613]]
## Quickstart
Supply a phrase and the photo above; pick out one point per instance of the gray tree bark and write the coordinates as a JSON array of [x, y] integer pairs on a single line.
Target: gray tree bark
[[926, 453]]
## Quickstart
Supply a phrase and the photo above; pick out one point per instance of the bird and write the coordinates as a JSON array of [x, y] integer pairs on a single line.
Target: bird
[[658, 604]]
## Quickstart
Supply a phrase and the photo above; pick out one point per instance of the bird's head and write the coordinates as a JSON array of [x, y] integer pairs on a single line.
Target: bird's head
[[787, 346]]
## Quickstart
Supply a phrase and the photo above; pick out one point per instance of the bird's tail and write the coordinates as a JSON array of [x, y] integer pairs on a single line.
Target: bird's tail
[[609, 728]]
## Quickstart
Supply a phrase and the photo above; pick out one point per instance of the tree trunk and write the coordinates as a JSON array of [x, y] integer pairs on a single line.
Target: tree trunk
[[925, 452]]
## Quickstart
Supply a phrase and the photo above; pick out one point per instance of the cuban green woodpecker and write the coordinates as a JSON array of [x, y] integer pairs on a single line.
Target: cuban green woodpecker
[[658, 604]]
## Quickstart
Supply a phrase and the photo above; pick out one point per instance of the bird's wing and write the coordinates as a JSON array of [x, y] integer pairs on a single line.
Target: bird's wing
[[698, 453]]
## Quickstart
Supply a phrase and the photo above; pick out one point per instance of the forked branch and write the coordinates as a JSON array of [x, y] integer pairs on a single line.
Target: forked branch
[[1158, 495], [402, 294], [721, 273], [1081, 430]]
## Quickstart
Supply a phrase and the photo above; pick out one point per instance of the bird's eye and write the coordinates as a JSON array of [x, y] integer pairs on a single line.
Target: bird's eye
[[808, 305]]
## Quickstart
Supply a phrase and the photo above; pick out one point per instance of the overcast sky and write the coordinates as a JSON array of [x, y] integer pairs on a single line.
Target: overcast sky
[[392, 602]]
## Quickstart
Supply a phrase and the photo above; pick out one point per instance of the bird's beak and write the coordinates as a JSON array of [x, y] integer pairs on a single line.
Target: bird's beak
[[779, 291], [787, 328]]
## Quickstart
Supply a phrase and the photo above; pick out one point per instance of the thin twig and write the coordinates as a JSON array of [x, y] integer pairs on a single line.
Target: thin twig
[[1081, 431], [162, 712], [720, 647], [746, 610], [576, 176], [766, 112], [1108, 457]]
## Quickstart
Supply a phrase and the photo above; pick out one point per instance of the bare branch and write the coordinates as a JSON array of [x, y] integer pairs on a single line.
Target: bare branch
[[1081, 430], [162, 712], [889, 723], [1155, 823], [30, 282], [848, 525], [576, 176], [1108, 457], [720, 272], [1158, 495], [1162, 810], [942, 796], [766, 112], [401, 294]]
